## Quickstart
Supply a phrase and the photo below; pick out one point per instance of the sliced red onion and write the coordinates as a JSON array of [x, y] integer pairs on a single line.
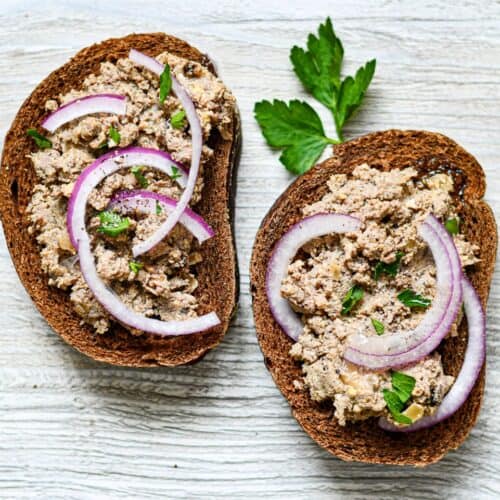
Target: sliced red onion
[[145, 202], [97, 103], [400, 349], [114, 306], [196, 145], [283, 253], [104, 166], [471, 367]]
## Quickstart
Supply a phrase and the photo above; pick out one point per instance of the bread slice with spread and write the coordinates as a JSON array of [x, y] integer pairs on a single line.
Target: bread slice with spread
[[358, 275], [117, 182]]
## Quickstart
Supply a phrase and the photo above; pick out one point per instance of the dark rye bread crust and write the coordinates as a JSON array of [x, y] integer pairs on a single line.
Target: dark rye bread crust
[[217, 274], [365, 441]]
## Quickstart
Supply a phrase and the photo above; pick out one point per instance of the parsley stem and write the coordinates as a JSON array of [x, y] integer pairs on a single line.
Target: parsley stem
[[332, 141], [338, 129]]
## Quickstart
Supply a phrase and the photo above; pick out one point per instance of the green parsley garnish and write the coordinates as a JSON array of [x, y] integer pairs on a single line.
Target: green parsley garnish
[[165, 83], [41, 141], [378, 325], [452, 225], [402, 386], [352, 297], [114, 135], [390, 269], [318, 68], [158, 208], [135, 266], [412, 299], [177, 120], [295, 127], [395, 406], [112, 224], [137, 171], [175, 173]]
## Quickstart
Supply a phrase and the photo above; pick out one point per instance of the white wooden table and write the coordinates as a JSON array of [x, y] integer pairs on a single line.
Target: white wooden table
[[73, 428]]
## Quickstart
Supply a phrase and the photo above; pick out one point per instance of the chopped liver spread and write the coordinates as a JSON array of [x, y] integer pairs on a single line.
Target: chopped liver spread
[[163, 283], [391, 206]]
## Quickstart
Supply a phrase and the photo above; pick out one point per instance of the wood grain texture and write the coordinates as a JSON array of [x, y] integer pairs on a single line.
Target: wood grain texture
[[72, 428]]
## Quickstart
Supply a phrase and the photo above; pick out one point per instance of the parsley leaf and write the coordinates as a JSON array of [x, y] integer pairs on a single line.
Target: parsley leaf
[[158, 208], [175, 173], [294, 127], [177, 120], [452, 225], [112, 224], [165, 83], [137, 171], [318, 68], [389, 269], [412, 299], [41, 141], [402, 385], [378, 325], [114, 135], [135, 266], [395, 405], [352, 297], [351, 94]]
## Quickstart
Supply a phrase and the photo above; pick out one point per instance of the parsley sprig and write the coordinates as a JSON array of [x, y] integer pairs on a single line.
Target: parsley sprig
[[295, 127]]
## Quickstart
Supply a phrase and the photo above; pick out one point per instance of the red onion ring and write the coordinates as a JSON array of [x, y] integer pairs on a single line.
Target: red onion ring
[[104, 166], [89, 179], [145, 202], [471, 368], [391, 351], [196, 144], [284, 251], [114, 306], [97, 103]]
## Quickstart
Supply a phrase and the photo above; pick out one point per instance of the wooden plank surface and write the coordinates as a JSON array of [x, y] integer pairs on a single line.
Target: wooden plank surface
[[72, 428]]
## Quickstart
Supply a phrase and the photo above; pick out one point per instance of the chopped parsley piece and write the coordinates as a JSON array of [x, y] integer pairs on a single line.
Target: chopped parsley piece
[[395, 405], [412, 299], [452, 225], [135, 266], [352, 297], [137, 171], [296, 127], [41, 141], [158, 208], [177, 120], [175, 173], [112, 224], [165, 83], [114, 135], [390, 269], [402, 385], [378, 325]]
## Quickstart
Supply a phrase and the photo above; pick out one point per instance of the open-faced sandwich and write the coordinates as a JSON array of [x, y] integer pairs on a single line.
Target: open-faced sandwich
[[369, 278], [116, 188]]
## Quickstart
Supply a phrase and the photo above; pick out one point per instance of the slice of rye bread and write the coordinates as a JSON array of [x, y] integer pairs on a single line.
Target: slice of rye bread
[[365, 441], [217, 274]]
